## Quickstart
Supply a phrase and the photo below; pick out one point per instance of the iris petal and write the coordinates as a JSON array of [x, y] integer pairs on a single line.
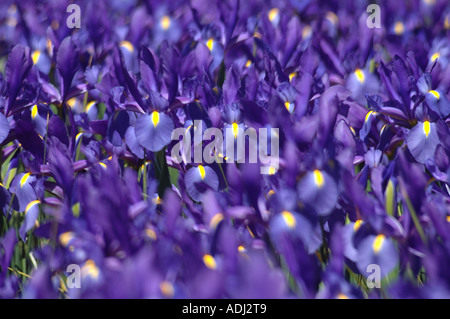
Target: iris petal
[[199, 179], [319, 190], [422, 141], [377, 250], [154, 131]]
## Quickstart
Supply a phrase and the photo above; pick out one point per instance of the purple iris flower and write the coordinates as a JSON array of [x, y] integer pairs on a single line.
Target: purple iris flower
[[356, 204]]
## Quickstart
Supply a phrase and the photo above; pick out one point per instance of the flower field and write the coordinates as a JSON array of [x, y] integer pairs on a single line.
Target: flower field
[[346, 196]]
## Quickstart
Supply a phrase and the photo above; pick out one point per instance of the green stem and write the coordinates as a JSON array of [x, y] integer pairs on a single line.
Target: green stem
[[220, 166], [412, 211], [144, 181]]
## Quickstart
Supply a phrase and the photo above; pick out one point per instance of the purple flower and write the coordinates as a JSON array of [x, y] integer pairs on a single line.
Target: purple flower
[[356, 192]]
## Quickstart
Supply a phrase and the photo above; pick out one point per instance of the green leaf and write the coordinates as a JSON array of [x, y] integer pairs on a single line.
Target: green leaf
[[76, 210], [162, 172], [174, 173], [221, 75], [101, 110], [389, 198]]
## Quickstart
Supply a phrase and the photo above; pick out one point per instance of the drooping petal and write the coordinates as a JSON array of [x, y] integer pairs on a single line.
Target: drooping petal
[[379, 251], [7, 244], [200, 178], [67, 64], [318, 189], [422, 141], [4, 128], [154, 131], [297, 226], [31, 215], [132, 143], [18, 65]]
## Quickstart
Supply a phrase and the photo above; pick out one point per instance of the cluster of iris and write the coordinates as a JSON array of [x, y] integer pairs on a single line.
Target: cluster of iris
[[359, 207]]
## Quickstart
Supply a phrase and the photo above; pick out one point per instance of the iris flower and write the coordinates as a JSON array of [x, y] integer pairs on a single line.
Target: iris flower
[[88, 178]]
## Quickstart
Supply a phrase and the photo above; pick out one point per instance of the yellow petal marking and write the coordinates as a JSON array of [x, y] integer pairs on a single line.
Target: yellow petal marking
[[210, 44], [31, 204], [49, 46], [318, 178], [368, 115], [127, 45], [165, 22], [353, 131], [150, 233], [357, 225], [90, 269], [273, 14], [235, 127], [250, 232], [89, 105], [399, 28], [332, 17], [217, 218], [157, 200], [24, 179], [65, 238], [272, 170], [77, 138], [426, 128], [35, 56], [435, 56], [378, 243], [155, 118], [202, 172], [72, 102], [209, 261], [435, 93], [34, 111], [289, 219], [360, 75], [306, 32], [289, 106], [291, 76], [166, 289]]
